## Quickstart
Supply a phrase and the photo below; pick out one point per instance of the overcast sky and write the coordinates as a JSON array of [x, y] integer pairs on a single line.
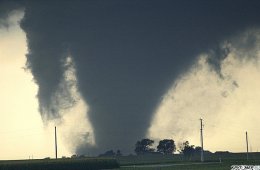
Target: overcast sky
[[109, 73]]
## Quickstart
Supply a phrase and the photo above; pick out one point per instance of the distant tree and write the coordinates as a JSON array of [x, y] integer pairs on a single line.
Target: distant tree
[[144, 146], [82, 156], [197, 150], [118, 153], [187, 150], [222, 152], [166, 146], [74, 156], [108, 153]]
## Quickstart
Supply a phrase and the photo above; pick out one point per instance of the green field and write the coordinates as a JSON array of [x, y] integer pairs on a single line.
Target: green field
[[141, 162], [178, 162], [60, 164], [226, 165], [177, 158]]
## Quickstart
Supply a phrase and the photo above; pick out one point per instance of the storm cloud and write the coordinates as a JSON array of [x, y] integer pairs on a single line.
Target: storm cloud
[[126, 53]]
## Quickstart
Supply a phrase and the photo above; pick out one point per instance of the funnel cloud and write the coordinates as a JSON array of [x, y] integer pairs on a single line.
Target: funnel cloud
[[126, 55]]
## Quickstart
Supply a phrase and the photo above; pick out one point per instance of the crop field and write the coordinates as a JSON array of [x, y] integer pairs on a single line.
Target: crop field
[[177, 162], [141, 162], [60, 164], [177, 158], [226, 165]]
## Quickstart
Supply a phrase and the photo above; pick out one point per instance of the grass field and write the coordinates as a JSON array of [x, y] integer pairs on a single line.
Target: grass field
[[162, 159], [60, 164], [141, 162], [197, 166], [177, 162]]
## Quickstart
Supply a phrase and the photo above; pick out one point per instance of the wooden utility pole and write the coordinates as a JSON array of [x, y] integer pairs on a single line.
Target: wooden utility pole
[[246, 146], [56, 147], [201, 139]]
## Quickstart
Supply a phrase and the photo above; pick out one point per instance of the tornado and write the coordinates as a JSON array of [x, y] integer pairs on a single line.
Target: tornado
[[127, 54]]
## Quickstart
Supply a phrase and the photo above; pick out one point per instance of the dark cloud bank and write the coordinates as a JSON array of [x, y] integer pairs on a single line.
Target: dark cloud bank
[[127, 53]]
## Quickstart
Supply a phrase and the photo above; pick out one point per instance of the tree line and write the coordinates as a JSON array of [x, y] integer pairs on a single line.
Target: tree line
[[166, 147]]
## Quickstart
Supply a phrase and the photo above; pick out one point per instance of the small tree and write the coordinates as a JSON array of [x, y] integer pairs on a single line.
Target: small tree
[[186, 149], [118, 153], [197, 150], [166, 146], [108, 153], [144, 146]]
